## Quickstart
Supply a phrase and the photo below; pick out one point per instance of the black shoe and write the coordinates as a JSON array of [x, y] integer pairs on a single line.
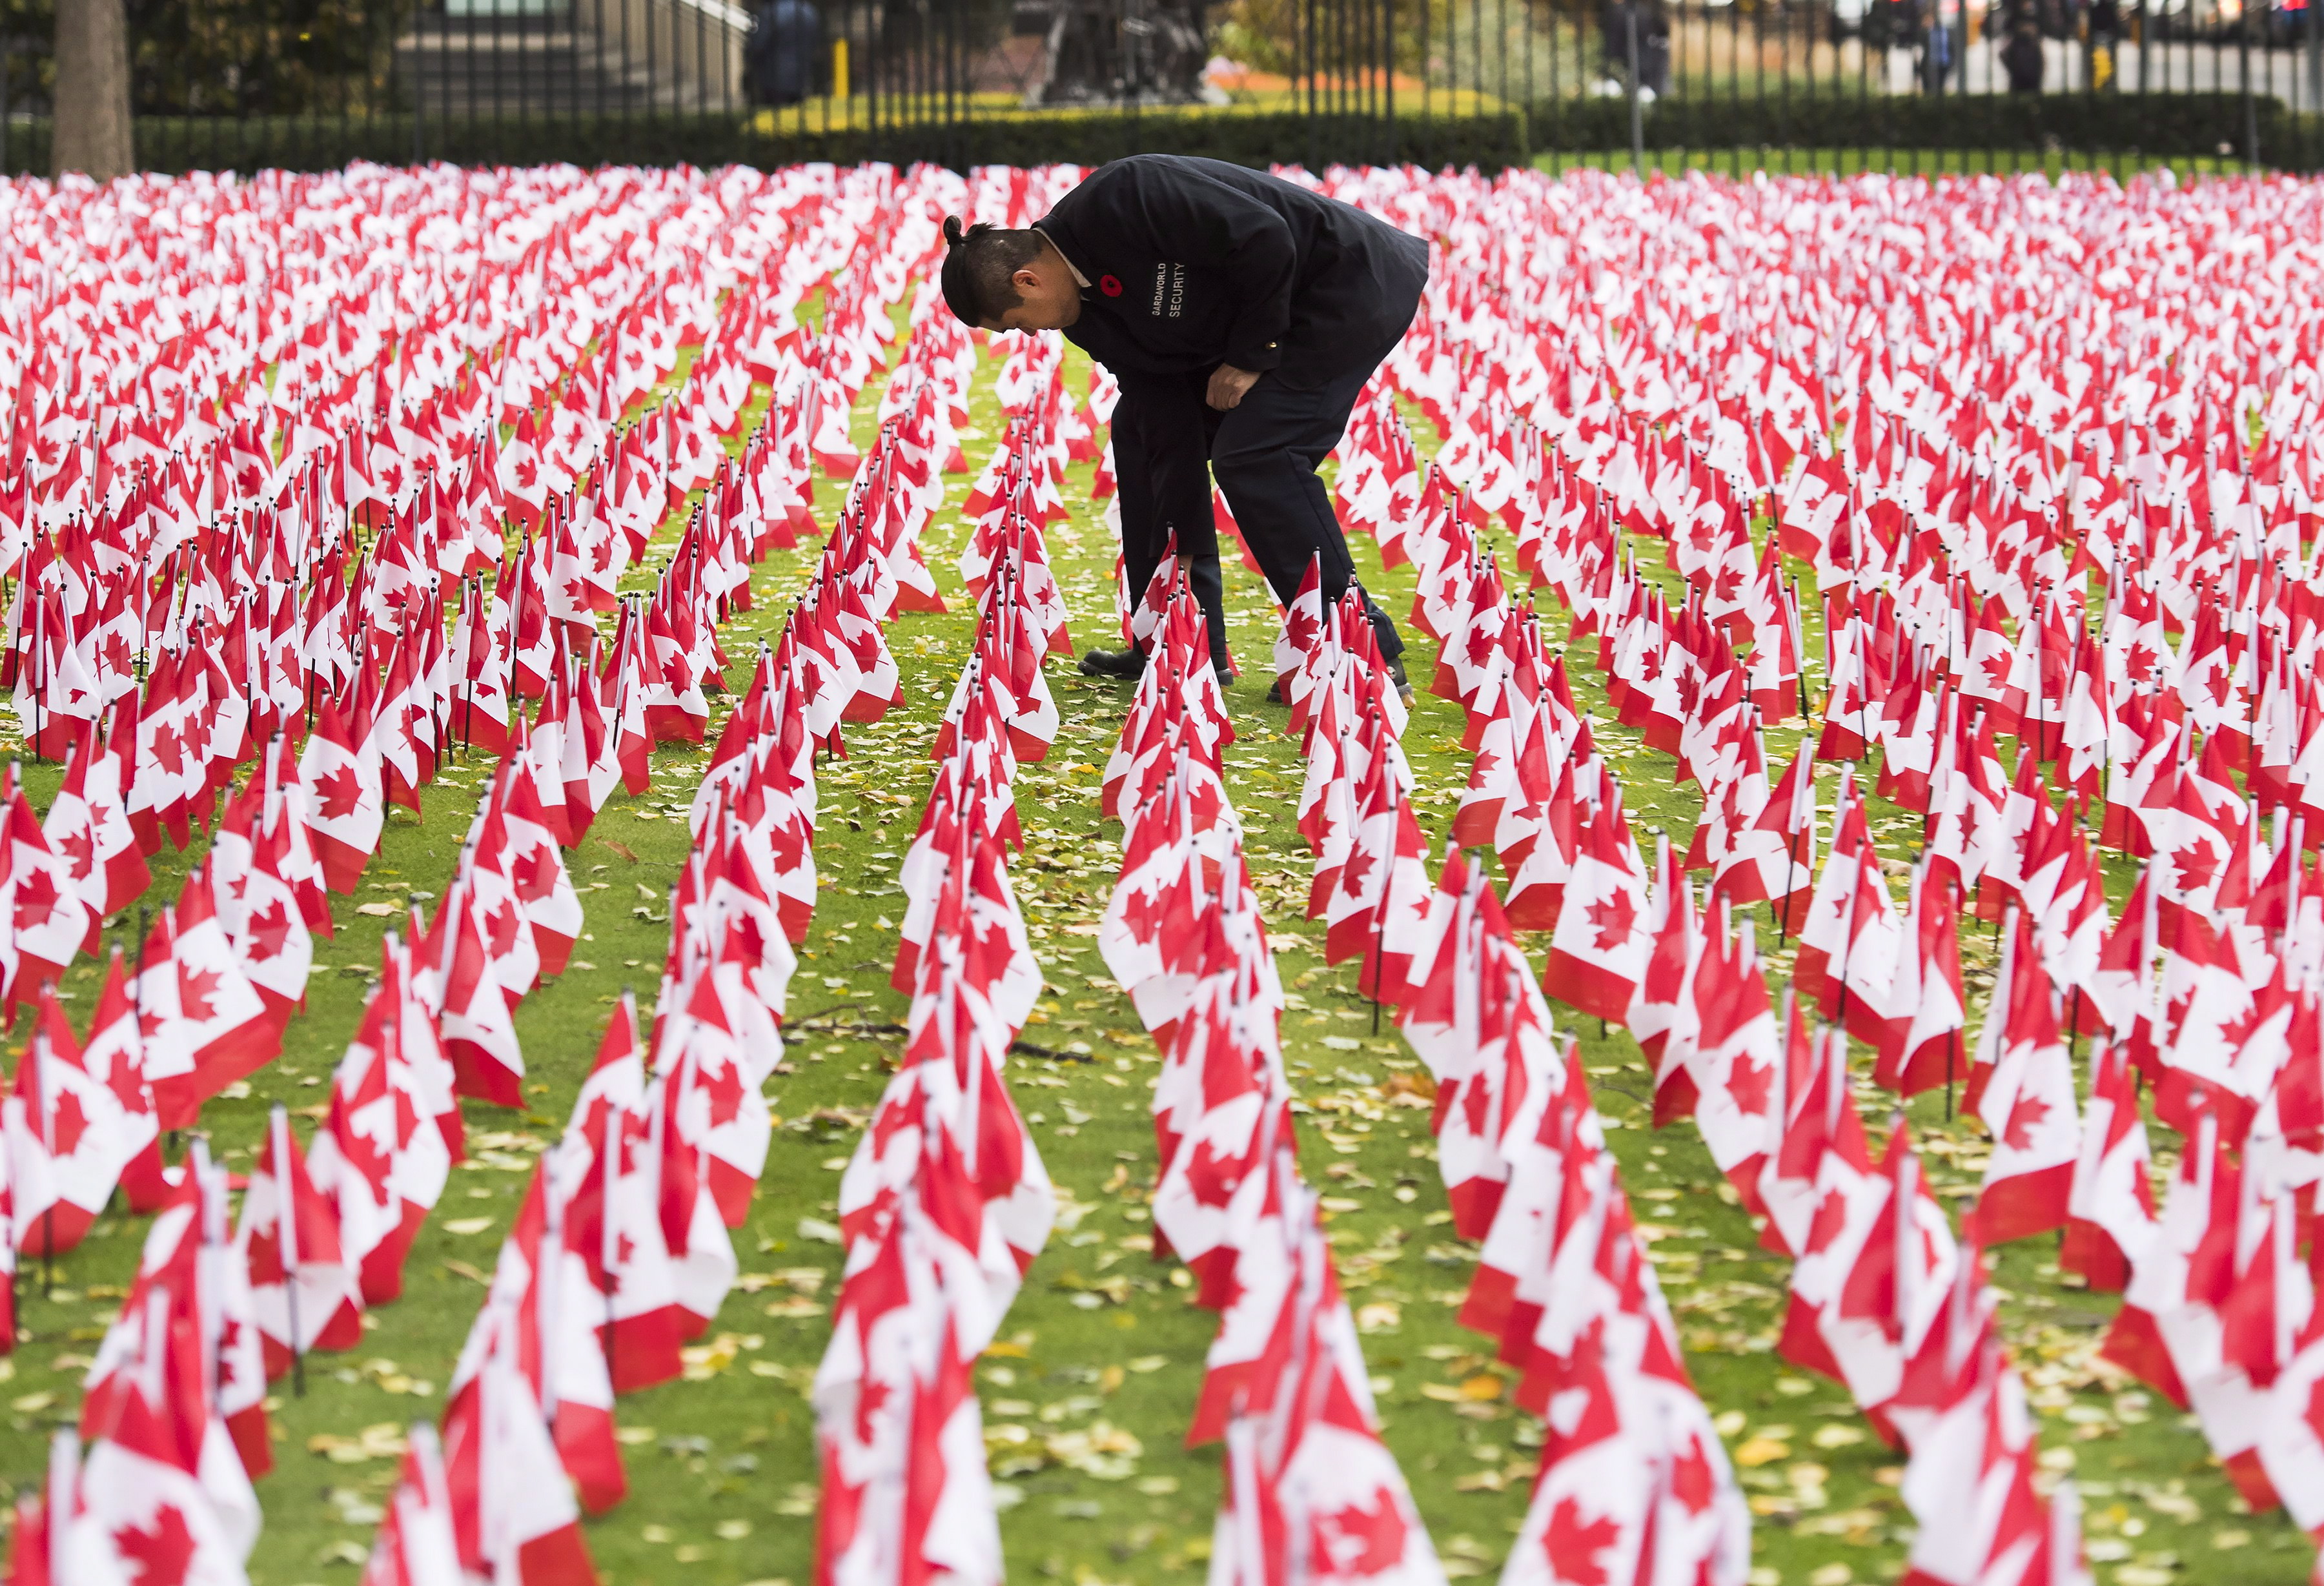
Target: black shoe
[[1129, 665]]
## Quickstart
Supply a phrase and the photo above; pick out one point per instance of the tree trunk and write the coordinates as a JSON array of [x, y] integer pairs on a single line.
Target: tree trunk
[[92, 126]]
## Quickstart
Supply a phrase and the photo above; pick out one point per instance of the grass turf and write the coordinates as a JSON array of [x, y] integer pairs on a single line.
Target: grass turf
[[1087, 1399], [1891, 161]]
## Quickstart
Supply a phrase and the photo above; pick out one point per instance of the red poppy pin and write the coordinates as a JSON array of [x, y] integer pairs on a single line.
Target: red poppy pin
[[1110, 285]]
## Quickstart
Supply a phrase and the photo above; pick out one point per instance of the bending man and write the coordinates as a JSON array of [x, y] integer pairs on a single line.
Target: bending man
[[1242, 315]]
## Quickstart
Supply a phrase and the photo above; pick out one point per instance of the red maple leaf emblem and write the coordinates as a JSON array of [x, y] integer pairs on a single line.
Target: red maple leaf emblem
[[1691, 1479], [1299, 628], [1747, 1082], [78, 850], [126, 1082], [340, 793], [1212, 1178], [268, 930], [534, 871], [2024, 1118], [1997, 668], [500, 927], [868, 1402], [724, 1086], [2196, 865], [1615, 920], [2138, 666], [1831, 1222], [364, 1156], [1358, 1540], [229, 1350], [1574, 1543], [1204, 806], [1359, 865], [1727, 585], [1143, 915], [67, 1124], [162, 1554], [198, 992], [36, 902], [168, 752]]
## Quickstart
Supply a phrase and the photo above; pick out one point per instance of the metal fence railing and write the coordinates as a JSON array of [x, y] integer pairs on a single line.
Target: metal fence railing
[[241, 84]]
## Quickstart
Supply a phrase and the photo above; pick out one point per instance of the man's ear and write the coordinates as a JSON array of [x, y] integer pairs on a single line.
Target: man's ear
[[1025, 279]]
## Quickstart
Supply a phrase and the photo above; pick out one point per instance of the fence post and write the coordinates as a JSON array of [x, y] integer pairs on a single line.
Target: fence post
[[1638, 111]]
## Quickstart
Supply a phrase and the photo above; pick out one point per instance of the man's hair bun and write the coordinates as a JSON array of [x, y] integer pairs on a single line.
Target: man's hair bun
[[953, 235]]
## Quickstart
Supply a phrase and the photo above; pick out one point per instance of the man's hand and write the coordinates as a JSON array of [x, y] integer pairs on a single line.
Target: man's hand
[[1228, 384]]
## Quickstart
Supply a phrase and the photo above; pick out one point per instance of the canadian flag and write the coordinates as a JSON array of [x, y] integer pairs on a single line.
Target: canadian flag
[[204, 1025], [1221, 1073], [2023, 1088], [88, 827], [343, 805], [70, 1137], [1307, 1477], [456, 967], [644, 1218], [250, 870], [1600, 950], [163, 1494], [2110, 1207], [1970, 1484], [490, 894], [716, 1103], [47, 921], [36, 1547], [905, 1490], [2207, 1301], [513, 1517], [288, 1239], [114, 1057], [1850, 942], [1921, 1045], [382, 1158], [526, 852], [1738, 1059], [418, 1543]]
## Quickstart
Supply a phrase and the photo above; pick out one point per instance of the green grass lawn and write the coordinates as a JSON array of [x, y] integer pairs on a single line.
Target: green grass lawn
[[1895, 161], [1098, 1372]]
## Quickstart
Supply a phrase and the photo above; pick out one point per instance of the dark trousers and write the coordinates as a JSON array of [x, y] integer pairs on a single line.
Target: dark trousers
[[1168, 442]]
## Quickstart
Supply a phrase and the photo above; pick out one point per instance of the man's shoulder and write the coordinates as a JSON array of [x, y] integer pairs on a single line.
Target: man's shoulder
[[1132, 170]]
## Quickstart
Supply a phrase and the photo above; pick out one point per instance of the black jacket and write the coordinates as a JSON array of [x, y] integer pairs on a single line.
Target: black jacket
[[1193, 262]]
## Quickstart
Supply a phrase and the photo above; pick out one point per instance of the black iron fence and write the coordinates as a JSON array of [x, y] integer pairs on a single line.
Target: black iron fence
[[241, 84]]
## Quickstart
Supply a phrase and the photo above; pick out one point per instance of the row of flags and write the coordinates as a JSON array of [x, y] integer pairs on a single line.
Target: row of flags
[[205, 558], [2115, 575]]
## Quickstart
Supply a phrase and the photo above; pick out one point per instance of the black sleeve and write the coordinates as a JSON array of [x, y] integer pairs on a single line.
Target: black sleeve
[[1177, 213]]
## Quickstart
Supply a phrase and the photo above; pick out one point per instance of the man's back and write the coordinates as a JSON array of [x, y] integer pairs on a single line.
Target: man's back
[[1210, 263]]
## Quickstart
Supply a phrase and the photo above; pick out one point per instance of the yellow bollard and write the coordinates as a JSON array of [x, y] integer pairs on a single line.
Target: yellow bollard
[[839, 69]]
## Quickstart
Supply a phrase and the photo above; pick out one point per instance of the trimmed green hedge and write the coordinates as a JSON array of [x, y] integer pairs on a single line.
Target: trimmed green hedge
[[1491, 142], [2183, 125]]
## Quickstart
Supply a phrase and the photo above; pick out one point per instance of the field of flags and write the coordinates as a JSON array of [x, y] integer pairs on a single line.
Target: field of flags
[[593, 999]]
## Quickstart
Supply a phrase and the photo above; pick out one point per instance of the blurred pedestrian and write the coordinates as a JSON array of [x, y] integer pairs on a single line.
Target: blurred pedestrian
[[2022, 61], [2105, 19], [784, 48], [1643, 27]]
